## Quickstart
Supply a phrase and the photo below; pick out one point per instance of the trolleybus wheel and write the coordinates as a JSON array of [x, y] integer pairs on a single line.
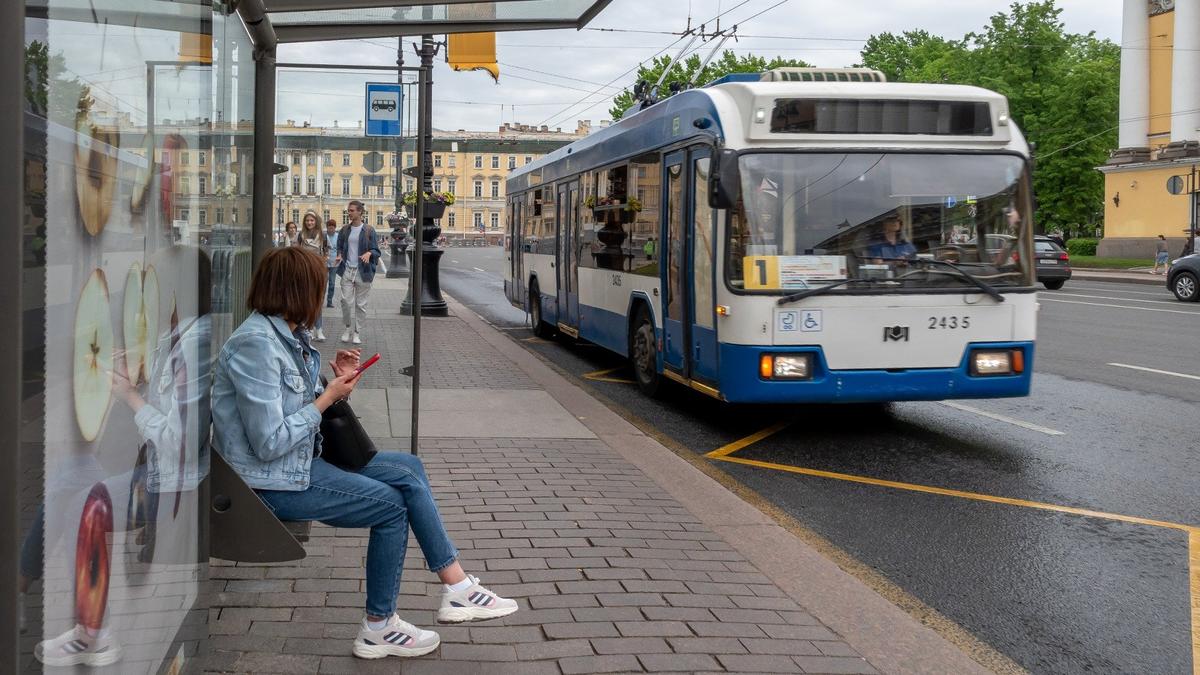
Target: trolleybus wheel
[[644, 355], [540, 327]]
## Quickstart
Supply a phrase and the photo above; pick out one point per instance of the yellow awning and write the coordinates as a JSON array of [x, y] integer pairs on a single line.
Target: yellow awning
[[473, 51]]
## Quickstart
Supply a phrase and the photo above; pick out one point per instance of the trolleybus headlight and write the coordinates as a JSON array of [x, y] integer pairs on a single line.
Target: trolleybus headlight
[[997, 362], [785, 366]]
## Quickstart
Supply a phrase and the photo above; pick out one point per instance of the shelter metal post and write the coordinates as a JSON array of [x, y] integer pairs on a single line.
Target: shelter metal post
[[261, 239]]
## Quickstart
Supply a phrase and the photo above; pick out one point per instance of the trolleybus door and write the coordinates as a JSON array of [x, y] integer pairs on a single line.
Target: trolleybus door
[[568, 261], [673, 254], [689, 334], [516, 249]]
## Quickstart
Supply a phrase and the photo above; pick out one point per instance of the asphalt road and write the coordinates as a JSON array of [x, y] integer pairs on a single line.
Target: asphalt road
[[1048, 527]]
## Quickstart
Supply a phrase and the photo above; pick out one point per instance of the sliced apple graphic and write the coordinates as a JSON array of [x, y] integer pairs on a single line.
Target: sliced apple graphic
[[95, 173], [140, 320], [93, 361]]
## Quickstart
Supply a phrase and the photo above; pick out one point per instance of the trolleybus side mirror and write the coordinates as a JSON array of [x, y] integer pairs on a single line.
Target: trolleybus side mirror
[[725, 180]]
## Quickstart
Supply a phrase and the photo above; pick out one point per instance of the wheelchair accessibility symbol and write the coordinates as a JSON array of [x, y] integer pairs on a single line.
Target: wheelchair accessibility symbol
[[805, 321]]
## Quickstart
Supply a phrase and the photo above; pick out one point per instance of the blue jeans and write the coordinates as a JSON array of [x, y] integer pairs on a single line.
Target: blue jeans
[[330, 286], [387, 495]]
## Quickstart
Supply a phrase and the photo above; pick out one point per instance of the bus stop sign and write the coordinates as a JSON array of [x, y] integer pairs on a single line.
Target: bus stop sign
[[383, 104]]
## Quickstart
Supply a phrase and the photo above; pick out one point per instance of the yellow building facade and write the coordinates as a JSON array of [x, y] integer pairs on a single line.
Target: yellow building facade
[[326, 167], [1159, 134]]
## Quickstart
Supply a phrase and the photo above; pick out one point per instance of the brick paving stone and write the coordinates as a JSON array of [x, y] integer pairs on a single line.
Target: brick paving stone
[[616, 663], [653, 628], [507, 634], [758, 663], [472, 652], [637, 645], [788, 647], [665, 663], [829, 648], [707, 645], [554, 649], [583, 629]]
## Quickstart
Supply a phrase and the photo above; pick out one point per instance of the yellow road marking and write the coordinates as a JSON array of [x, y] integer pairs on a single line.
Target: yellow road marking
[[536, 340], [1194, 573], [976, 496], [601, 376], [723, 451]]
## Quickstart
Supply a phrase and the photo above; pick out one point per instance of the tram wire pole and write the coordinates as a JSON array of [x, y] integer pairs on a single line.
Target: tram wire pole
[[416, 280]]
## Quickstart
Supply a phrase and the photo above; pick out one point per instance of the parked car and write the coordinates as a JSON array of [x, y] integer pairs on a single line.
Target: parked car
[[1184, 278], [1053, 263]]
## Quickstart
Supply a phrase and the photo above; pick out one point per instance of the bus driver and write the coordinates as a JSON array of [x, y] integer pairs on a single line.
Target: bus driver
[[893, 245]]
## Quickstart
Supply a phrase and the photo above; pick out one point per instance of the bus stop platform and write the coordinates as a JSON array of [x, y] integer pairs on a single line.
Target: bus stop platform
[[624, 556]]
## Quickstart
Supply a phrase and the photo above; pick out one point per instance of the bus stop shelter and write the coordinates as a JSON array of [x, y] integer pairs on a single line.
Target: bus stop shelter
[[180, 39]]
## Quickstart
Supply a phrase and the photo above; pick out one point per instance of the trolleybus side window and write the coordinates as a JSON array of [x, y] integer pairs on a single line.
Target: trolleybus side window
[[702, 246], [674, 246], [646, 188]]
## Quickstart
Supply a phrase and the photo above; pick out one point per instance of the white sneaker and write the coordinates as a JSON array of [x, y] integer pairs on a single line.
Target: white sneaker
[[319, 335], [474, 603], [397, 638], [346, 335], [75, 647], [356, 340]]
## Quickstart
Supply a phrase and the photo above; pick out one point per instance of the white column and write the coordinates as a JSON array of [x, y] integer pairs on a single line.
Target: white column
[[1135, 76], [1185, 73], [304, 173], [287, 187], [243, 173], [320, 172]]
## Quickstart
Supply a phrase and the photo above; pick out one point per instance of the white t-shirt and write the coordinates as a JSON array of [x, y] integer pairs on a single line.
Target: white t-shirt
[[352, 246]]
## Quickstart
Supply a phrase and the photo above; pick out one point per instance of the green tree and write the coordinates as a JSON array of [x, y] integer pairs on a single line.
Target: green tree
[[1062, 90], [686, 71]]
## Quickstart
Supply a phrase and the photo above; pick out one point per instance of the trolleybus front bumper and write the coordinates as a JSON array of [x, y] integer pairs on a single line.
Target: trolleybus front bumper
[[741, 381]]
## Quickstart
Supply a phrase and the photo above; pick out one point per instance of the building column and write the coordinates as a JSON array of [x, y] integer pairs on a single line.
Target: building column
[[1135, 77], [1185, 73], [321, 172], [287, 187]]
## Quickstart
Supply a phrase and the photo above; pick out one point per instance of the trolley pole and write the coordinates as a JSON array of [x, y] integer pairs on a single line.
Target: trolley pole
[[397, 265]]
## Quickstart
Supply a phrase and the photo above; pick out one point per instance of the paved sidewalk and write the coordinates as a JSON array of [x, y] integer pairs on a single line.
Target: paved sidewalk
[[623, 557], [1138, 275]]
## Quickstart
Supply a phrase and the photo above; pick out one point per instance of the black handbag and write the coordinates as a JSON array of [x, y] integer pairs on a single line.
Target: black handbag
[[344, 442]]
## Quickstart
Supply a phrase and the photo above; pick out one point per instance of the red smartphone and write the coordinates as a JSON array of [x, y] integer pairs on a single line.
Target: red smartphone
[[366, 364]]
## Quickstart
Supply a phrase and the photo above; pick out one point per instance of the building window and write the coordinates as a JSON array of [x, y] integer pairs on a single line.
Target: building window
[[185, 215], [203, 215], [528, 159], [312, 185], [328, 186], [184, 157], [296, 215], [495, 221], [280, 184], [203, 183], [437, 184], [203, 158], [325, 216], [311, 158], [345, 187], [479, 220], [379, 191], [495, 189], [345, 217], [379, 218], [409, 185], [279, 216], [437, 161], [345, 159], [452, 186], [410, 160], [295, 185], [185, 185], [220, 214], [495, 161], [392, 162], [478, 161], [450, 219], [296, 158], [328, 159], [452, 161], [478, 189], [233, 215], [512, 162]]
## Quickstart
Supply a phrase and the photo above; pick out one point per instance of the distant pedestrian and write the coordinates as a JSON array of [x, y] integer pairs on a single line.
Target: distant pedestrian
[[1189, 246], [289, 234], [312, 238], [1161, 256], [358, 253], [331, 263]]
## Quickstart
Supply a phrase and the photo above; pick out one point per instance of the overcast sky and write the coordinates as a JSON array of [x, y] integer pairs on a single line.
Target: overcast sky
[[545, 75]]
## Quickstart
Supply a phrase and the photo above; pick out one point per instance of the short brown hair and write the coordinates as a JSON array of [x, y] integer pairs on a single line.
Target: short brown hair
[[290, 283]]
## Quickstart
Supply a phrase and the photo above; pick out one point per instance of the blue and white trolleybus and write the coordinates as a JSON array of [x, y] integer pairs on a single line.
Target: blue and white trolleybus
[[792, 236]]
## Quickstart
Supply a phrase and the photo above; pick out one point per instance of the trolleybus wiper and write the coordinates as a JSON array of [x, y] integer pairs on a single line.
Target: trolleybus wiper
[[983, 286], [819, 290]]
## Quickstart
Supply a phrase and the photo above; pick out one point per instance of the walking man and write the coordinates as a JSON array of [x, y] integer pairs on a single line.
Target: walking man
[[357, 255], [331, 236]]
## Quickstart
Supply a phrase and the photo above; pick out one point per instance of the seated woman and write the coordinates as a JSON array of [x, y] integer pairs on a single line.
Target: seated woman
[[267, 402]]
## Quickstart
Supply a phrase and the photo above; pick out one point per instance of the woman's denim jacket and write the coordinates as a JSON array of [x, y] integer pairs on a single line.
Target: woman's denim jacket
[[265, 423]]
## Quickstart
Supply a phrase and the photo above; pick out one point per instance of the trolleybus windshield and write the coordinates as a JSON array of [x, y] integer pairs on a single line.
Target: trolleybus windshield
[[807, 220]]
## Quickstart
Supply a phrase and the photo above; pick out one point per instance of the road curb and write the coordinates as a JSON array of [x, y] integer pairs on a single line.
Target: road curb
[[888, 637], [1148, 281]]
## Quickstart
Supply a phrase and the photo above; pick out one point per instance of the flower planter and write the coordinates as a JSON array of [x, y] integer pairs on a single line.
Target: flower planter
[[434, 210]]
